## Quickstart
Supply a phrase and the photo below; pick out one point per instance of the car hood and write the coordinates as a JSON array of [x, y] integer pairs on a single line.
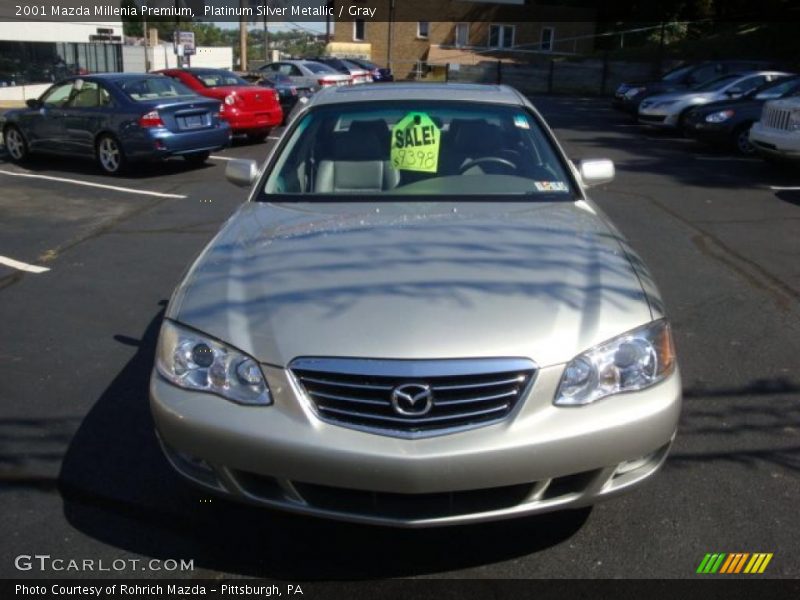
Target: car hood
[[684, 96], [739, 105], [542, 280]]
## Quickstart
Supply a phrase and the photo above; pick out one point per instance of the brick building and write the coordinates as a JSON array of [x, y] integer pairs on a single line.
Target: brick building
[[465, 32]]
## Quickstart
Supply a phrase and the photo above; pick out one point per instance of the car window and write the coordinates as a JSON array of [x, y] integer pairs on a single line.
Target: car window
[[705, 73], [352, 66], [418, 149], [90, 95], [775, 89], [58, 96], [678, 74], [749, 84], [319, 68], [154, 88], [212, 79], [716, 84]]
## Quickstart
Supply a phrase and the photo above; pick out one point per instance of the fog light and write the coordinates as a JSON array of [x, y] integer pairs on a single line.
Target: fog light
[[632, 465], [159, 145]]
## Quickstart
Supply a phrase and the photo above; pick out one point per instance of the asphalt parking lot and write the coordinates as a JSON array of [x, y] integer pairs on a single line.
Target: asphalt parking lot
[[82, 476]]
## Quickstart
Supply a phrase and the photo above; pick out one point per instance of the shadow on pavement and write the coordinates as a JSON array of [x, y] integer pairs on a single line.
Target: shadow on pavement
[[65, 166], [118, 488], [790, 196]]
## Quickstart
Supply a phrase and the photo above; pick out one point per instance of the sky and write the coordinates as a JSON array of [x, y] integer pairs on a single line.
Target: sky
[[312, 26]]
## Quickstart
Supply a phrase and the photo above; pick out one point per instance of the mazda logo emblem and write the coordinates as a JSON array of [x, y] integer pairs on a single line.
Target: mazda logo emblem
[[412, 399]]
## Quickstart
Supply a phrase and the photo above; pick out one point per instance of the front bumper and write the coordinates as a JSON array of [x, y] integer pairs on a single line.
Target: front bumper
[[714, 133], [775, 142], [541, 458], [658, 118]]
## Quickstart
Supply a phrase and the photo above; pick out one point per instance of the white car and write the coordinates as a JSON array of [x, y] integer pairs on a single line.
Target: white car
[[668, 110], [778, 132]]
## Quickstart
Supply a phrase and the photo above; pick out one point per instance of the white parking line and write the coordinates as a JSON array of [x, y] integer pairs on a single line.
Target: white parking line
[[778, 188], [273, 137], [115, 188], [21, 266], [217, 157]]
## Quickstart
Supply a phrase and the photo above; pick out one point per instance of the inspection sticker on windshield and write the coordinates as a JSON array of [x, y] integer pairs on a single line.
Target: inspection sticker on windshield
[[521, 121], [550, 186], [415, 143]]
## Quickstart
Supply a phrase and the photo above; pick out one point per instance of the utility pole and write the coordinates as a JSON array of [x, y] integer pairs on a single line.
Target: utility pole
[[243, 38], [390, 36], [331, 6], [266, 35], [146, 44]]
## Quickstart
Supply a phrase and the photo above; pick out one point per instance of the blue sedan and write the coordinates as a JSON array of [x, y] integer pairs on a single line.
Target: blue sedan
[[117, 118]]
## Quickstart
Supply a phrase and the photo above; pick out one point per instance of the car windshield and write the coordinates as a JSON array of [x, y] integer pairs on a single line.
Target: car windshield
[[784, 87], [212, 79], [677, 74], [351, 66], [319, 68], [418, 148], [365, 64], [154, 88], [716, 84]]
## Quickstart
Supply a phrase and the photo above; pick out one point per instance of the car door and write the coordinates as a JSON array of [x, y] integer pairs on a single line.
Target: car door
[[45, 127], [85, 115]]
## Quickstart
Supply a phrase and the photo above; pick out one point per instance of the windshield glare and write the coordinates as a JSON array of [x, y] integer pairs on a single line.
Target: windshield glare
[[715, 84], [213, 79], [154, 88], [418, 148], [677, 74], [319, 68]]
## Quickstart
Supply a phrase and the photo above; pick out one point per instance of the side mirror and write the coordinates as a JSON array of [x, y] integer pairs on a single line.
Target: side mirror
[[33, 103], [241, 172], [596, 171]]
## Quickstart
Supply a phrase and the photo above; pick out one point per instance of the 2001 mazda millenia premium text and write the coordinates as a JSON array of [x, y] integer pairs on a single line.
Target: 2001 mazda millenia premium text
[[418, 318]]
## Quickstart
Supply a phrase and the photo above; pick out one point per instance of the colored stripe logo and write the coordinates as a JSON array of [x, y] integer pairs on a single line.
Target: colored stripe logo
[[734, 563]]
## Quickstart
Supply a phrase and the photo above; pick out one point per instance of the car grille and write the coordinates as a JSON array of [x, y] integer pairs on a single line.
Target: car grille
[[776, 118], [448, 394]]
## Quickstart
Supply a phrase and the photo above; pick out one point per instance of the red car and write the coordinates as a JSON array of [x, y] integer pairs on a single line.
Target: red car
[[249, 109]]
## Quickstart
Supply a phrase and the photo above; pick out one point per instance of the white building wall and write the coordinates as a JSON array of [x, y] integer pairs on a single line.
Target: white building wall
[[38, 31], [163, 57]]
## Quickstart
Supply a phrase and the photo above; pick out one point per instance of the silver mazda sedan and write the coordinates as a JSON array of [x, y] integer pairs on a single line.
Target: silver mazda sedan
[[418, 318]]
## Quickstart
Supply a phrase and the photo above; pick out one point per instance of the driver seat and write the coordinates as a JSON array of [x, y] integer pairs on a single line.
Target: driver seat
[[359, 162]]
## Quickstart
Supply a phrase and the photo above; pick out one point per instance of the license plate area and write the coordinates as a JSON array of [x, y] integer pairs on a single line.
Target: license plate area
[[192, 121]]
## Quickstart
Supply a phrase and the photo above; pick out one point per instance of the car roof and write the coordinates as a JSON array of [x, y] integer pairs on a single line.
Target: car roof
[[467, 92], [113, 76]]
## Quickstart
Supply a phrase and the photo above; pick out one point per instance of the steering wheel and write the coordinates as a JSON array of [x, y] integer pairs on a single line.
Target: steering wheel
[[486, 159]]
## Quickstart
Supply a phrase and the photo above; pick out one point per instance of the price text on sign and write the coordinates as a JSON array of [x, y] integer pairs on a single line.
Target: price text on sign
[[415, 144]]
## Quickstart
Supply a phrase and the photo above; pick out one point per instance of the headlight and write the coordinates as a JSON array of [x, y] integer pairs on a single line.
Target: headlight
[[230, 99], [794, 121], [632, 361], [193, 361], [719, 117], [634, 91]]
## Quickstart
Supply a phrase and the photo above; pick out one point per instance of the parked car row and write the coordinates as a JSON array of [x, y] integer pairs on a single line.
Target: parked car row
[[118, 118], [751, 111]]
